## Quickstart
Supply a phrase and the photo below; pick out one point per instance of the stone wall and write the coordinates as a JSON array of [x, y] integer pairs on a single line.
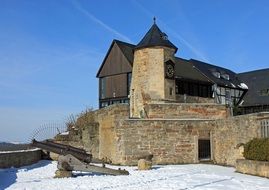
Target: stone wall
[[86, 137], [170, 141], [253, 167], [19, 158], [109, 118], [173, 141], [186, 110], [193, 99], [230, 134]]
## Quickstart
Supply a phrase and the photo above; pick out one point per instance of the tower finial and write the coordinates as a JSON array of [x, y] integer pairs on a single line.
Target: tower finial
[[154, 20]]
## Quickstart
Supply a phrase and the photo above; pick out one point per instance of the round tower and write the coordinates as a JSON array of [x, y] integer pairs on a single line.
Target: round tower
[[153, 72]]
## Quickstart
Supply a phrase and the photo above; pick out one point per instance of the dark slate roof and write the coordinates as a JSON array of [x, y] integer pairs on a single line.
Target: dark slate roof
[[185, 70], [256, 81], [155, 37], [208, 69]]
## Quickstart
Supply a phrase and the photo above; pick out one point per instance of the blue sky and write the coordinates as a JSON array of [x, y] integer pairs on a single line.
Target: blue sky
[[50, 50]]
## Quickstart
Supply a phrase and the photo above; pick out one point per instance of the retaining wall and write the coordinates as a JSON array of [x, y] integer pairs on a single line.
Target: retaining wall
[[253, 167], [19, 158], [171, 139]]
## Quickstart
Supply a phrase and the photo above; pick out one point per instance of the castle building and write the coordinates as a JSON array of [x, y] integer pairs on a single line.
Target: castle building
[[150, 72], [178, 110], [257, 97]]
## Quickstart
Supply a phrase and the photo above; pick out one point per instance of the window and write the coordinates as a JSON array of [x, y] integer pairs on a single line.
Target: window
[[216, 74], [107, 102], [265, 128], [193, 89], [264, 92], [171, 91], [129, 80], [228, 98], [102, 88], [104, 104], [177, 92], [164, 36], [116, 101], [225, 76], [228, 95], [126, 101]]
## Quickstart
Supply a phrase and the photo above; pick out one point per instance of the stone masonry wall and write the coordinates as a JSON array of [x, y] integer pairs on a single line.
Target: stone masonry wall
[[253, 167], [150, 86], [193, 99], [230, 133], [170, 141], [85, 137], [145, 87], [19, 158], [182, 110], [174, 141], [109, 119]]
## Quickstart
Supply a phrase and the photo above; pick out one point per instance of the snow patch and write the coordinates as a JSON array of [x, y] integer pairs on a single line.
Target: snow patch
[[65, 133], [191, 176], [233, 85], [13, 151], [243, 86]]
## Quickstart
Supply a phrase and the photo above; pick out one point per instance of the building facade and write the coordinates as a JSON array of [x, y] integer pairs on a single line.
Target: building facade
[[150, 72]]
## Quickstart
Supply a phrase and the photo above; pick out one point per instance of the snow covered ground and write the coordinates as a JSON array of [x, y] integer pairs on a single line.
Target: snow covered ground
[[194, 176]]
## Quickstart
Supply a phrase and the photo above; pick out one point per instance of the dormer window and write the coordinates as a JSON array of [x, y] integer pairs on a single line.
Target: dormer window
[[164, 36], [216, 74], [264, 92], [225, 76]]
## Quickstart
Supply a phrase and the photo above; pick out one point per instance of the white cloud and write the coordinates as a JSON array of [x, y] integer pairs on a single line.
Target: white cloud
[[99, 22]]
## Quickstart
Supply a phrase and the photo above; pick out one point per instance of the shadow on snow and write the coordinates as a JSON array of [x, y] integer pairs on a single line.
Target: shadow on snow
[[8, 176]]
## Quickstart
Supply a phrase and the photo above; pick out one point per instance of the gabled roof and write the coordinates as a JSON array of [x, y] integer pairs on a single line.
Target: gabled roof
[[126, 49], [208, 70], [258, 87], [185, 70], [155, 37]]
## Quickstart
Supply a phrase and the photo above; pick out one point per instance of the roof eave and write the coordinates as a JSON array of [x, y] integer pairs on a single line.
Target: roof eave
[[149, 46], [104, 60]]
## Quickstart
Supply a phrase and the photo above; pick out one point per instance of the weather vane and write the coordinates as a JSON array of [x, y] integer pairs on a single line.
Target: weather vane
[[154, 20]]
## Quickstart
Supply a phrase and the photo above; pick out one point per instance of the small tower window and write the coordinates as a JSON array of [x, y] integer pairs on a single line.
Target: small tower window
[[225, 76], [171, 91], [129, 79], [164, 36]]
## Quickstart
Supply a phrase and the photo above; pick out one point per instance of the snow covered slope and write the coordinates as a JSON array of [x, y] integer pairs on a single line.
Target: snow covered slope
[[193, 176]]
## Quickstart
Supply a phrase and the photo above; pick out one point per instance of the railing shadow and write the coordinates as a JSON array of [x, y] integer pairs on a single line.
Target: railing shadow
[[8, 177]]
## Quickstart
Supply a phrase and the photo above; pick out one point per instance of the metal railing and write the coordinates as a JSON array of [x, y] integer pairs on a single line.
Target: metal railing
[[48, 131]]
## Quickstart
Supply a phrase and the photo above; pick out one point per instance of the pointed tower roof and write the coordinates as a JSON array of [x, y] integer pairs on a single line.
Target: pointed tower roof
[[155, 37]]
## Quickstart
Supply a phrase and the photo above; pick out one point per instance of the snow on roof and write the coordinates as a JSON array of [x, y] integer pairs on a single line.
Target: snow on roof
[[243, 85]]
